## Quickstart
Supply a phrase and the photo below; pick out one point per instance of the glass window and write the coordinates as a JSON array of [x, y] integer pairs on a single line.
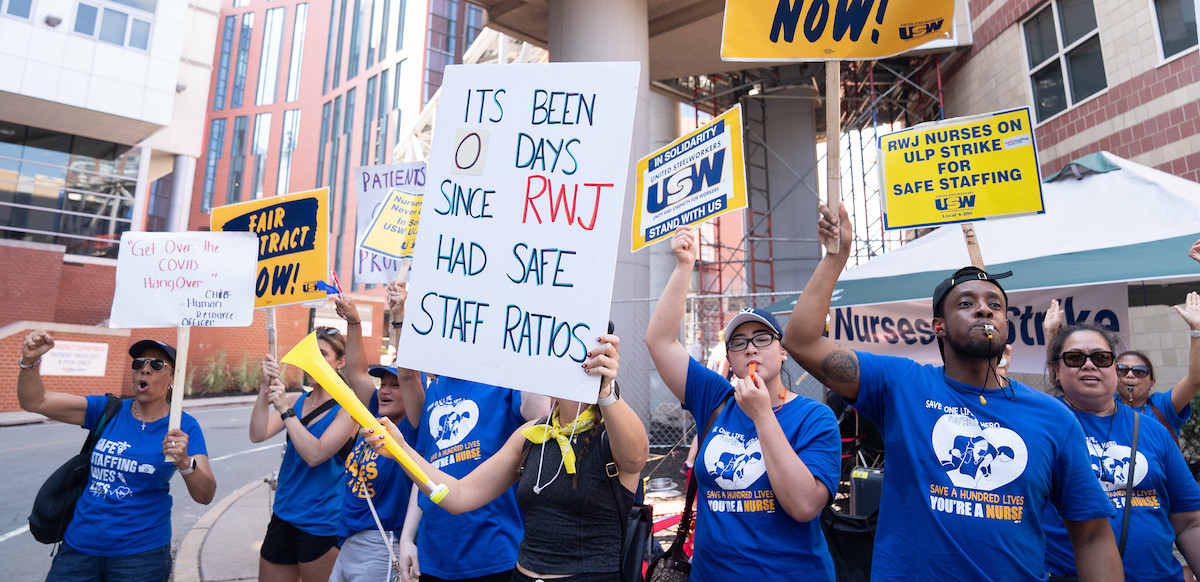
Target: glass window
[[268, 62], [85, 19], [237, 160], [139, 34], [385, 17], [158, 208], [243, 56], [259, 149], [112, 27], [1065, 63], [381, 131], [287, 145], [321, 144], [400, 24], [223, 63], [147, 5], [367, 134], [19, 8], [337, 59], [1176, 25], [373, 31], [216, 149], [356, 40], [297, 58]]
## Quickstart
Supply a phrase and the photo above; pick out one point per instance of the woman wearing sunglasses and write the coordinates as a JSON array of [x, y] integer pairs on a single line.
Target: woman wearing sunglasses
[[121, 529], [1171, 408], [301, 538], [1164, 502], [772, 458]]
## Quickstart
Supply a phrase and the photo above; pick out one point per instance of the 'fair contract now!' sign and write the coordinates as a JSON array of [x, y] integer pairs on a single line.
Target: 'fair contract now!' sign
[[515, 256], [185, 279]]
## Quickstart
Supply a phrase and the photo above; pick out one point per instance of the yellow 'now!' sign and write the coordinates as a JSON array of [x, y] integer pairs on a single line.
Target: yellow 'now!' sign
[[960, 170], [831, 30]]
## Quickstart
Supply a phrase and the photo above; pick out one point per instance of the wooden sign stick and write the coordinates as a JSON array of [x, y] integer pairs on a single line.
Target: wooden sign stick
[[183, 338], [833, 147], [972, 245], [272, 334]]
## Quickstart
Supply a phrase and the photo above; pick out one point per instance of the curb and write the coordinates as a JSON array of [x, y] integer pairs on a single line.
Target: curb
[[187, 557]]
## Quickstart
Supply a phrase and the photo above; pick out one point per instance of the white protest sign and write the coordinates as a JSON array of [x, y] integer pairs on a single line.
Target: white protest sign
[[185, 279], [75, 359], [373, 184], [516, 252], [905, 328]]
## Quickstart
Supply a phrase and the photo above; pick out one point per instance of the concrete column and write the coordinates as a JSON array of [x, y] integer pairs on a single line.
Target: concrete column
[[182, 181], [617, 30], [141, 197]]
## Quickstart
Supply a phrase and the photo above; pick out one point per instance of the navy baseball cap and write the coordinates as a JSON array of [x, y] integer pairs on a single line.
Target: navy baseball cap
[[379, 371], [962, 276], [135, 351], [752, 314]]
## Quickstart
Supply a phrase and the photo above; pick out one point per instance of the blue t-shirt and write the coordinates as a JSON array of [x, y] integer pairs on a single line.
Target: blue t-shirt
[[379, 477], [1162, 485], [464, 424], [1162, 400], [126, 507], [966, 482], [310, 498], [741, 531]]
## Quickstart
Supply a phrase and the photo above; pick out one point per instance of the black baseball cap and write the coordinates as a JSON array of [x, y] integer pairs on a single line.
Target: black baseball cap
[[135, 351], [962, 276]]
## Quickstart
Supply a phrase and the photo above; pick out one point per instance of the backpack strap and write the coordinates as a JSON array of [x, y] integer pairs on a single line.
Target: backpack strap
[[528, 446], [1163, 419], [685, 521], [1129, 484], [111, 407]]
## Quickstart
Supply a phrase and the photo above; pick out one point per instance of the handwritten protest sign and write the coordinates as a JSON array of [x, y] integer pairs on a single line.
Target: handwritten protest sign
[[293, 243], [692, 179], [960, 170], [374, 184], [905, 328], [184, 279], [75, 359], [823, 30], [392, 232], [514, 262]]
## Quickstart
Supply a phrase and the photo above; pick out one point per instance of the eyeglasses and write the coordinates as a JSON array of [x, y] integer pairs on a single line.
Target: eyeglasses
[[155, 364], [1077, 359], [1139, 371], [760, 340]]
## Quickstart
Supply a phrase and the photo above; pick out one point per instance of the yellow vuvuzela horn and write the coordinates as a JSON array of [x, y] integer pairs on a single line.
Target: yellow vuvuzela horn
[[307, 356]]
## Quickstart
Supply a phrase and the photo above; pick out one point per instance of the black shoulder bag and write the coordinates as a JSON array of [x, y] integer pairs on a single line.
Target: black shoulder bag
[[637, 523], [54, 505], [674, 565]]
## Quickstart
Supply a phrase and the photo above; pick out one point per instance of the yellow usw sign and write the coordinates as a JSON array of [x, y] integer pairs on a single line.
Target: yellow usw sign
[[831, 30], [960, 170]]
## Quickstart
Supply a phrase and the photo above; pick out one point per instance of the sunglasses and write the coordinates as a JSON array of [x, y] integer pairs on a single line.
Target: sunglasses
[[1077, 359], [155, 364], [333, 331], [760, 340], [1139, 371]]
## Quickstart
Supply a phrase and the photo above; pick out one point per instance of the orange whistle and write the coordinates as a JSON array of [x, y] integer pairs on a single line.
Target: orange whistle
[[752, 369]]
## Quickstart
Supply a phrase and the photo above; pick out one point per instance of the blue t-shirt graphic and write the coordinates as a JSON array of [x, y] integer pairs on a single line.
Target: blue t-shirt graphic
[[310, 498], [463, 424], [126, 507], [965, 482], [369, 474], [741, 531], [1162, 484]]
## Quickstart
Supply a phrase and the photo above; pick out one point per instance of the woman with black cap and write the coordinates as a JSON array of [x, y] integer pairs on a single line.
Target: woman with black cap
[[772, 459], [122, 524]]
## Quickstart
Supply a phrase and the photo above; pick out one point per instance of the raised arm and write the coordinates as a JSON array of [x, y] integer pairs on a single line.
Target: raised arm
[[1186, 389], [412, 391], [1052, 322], [356, 357], [32, 393], [475, 489], [662, 333], [313, 449], [832, 364], [626, 434]]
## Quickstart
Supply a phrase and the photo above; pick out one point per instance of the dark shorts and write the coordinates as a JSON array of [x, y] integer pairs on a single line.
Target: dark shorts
[[148, 566], [518, 576], [497, 577], [287, 544]]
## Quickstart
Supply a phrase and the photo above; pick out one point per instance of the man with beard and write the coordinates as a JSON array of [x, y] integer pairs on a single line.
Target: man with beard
[[936, 521]]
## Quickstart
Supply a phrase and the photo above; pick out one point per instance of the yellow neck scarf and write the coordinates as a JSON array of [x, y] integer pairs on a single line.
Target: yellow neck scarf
[[540, 433]]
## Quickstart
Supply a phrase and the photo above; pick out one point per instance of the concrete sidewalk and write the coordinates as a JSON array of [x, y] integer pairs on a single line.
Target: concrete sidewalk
[[223, 545], [21, 417]]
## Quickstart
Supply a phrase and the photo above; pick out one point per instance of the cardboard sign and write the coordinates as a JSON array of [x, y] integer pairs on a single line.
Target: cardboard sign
[[823, 30], [905, 328], [514, 262], [960, 170], [392, 232], [184, 279], [293, 244], [694, 178], [374, 184], [75, 359]]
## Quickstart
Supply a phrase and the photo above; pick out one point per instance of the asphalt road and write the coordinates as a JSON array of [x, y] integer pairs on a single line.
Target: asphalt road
[[30, 453]]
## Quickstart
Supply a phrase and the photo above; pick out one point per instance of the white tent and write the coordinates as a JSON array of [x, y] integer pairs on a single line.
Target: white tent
[[1107, 219]]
